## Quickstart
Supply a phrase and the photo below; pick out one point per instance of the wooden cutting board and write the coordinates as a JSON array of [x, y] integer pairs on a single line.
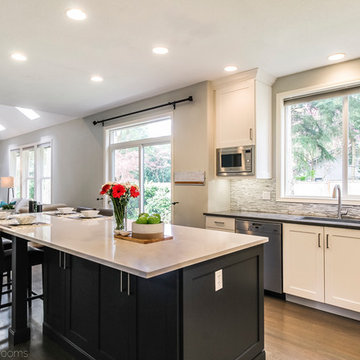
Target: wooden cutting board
[[142, 241]]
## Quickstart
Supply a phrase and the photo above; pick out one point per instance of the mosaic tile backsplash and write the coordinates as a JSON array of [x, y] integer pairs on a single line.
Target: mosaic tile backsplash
[[246, 195]]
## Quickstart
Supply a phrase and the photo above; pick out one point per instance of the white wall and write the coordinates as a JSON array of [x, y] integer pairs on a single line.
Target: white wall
[[77, 160], [190, 144], [78, 168]]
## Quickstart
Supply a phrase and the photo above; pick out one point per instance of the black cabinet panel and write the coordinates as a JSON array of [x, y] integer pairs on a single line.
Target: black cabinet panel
[[117, 316], [158, 317], [175, 316], [54, 290], [224, 324], [82, 299]]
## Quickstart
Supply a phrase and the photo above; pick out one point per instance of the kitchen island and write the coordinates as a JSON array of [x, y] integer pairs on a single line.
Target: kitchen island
[[197, 296]]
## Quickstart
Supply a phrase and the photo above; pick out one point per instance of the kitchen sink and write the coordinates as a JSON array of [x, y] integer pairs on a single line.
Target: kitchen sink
[[327, 219]]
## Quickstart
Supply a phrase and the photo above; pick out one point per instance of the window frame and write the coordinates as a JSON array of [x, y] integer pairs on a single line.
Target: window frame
[[36, 178], [282, 137], [110, 148]]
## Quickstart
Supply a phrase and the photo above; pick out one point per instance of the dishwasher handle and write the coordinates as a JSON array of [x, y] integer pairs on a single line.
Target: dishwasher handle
[[253, 226]]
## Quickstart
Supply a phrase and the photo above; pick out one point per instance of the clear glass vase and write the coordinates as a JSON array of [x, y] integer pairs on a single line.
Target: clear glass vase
[[120, 214]]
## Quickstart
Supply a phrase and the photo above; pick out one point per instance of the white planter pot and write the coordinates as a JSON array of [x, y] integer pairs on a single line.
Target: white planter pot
[[147, 231]]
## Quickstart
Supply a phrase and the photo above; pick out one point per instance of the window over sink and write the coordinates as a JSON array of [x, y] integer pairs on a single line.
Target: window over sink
[[320, 145]]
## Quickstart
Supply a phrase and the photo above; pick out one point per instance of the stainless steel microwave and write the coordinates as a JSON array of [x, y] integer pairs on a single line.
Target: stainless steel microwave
[[235, 161]]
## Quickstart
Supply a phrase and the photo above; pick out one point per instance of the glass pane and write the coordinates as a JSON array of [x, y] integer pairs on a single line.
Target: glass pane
[[126, 169], [30, 189], [15, 171], [46, 191], [29, 162], [314, 147], [354, 145], [142, 131], [44, 153], [157, 180]]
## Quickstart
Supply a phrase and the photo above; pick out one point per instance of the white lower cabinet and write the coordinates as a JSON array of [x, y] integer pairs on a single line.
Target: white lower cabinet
[[303, 261], [220, 223], [342, 268], [322, 264]]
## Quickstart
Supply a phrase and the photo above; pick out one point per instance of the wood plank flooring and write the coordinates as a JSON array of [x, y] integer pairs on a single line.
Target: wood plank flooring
[[295, 332], [292, 332]]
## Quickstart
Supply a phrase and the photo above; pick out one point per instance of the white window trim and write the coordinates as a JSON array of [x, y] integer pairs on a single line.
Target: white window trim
[[108, 148], [35, 145], [281, 138]]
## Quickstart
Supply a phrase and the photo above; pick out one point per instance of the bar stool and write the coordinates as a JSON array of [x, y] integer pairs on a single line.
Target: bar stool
[[35, 257]]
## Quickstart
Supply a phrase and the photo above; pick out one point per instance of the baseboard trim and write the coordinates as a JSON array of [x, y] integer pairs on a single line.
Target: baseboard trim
[[324, 307], [65, 343]]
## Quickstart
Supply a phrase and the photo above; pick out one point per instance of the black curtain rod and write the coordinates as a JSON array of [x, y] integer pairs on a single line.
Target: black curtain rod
[[171, 103]]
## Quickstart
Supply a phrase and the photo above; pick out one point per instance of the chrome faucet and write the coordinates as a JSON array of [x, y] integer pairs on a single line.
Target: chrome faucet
[[340, 212]]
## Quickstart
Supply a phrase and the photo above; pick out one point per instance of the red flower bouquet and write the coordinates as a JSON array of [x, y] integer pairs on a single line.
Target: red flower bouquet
[[120, 195]]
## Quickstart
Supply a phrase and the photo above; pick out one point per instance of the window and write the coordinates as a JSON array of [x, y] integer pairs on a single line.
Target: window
[[321, 145], [31, 168], [141, 154]]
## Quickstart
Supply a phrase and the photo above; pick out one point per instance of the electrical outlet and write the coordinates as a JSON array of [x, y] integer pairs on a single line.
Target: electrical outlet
[[218, 280], [266, 195]]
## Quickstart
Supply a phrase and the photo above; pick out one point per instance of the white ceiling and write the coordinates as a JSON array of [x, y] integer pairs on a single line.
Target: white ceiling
[[115, 41], [17, 123]]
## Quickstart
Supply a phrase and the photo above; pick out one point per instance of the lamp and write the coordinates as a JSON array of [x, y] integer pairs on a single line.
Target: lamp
[[8, 183]]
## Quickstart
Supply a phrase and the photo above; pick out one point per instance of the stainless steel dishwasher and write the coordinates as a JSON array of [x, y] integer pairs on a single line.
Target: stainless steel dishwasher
[[272, 250]]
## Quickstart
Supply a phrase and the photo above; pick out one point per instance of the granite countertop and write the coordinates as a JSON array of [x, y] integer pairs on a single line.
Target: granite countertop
[[297, 219], [93, 240]]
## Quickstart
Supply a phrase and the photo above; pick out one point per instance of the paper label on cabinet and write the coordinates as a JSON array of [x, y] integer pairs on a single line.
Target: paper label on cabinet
[[218, 280]]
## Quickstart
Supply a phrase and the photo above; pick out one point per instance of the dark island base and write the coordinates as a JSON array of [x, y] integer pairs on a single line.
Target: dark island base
[[97, 312]]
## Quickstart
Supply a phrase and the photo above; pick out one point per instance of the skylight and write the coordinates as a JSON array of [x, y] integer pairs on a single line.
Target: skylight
[[29, 113]]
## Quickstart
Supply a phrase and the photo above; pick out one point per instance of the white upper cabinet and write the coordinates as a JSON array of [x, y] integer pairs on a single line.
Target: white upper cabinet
[[243, 116], [235, 115]]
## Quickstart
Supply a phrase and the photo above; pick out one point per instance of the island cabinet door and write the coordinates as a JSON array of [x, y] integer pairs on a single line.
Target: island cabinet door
[[117, 315], [54, 290], [82, 299], [223, 308]]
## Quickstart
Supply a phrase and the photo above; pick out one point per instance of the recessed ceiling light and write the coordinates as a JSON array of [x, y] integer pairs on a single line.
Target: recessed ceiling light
[[29, 113], [97, 78], [160, 50], [2, 128], [230, 68], [76, 14], [18, 57], [337, 56]]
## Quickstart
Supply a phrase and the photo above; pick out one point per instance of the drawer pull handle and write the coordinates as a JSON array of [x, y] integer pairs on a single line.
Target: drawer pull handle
[[319, 235], [128, 285], [327, 241], [251, 133], [219, 222], [121, 281]]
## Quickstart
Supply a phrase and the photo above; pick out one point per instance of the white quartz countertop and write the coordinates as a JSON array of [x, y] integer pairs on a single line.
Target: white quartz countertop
[[93, 240]]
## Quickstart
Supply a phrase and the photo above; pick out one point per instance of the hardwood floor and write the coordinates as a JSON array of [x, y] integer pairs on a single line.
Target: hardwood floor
[[39, 348], [295, 332], [292, 332]]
